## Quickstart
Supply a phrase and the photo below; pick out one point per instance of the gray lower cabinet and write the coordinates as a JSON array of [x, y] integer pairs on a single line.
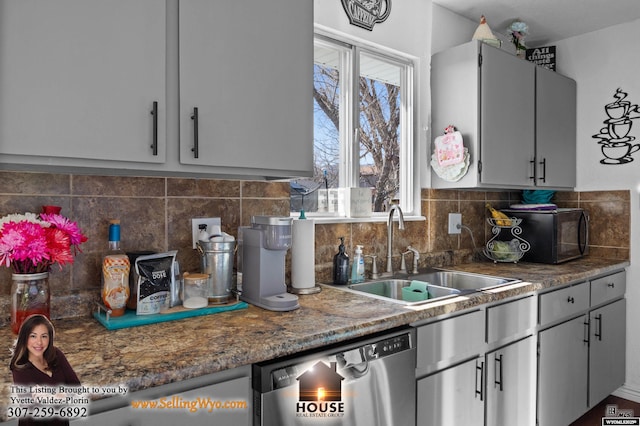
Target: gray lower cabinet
[[562, 372], [450, 370], [446, 342], [453, 396], [607, 351], [502, 383], [232, 387], [477, 375], [511, 362], [510, 384], [581, 347]]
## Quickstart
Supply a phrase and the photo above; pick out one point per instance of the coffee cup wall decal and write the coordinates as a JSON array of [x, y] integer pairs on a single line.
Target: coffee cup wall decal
[[615, 138], [366, 13]]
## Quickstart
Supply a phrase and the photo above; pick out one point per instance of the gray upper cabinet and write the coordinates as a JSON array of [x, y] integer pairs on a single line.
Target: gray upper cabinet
[[507, 118], [555, 130], [246, 67], [517, 120], [79, 80]]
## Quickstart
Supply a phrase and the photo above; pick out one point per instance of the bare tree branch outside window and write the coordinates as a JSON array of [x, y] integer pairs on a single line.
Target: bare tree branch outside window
[[379, 135]]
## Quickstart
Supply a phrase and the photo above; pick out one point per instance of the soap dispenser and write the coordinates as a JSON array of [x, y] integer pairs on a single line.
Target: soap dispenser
[[357, 271], [341, 265]]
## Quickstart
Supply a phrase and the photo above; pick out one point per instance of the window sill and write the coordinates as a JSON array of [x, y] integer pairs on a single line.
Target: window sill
[[322, 220]]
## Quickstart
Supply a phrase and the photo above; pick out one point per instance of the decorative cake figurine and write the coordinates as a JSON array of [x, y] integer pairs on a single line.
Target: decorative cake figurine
[[449, 148], [450, 159]]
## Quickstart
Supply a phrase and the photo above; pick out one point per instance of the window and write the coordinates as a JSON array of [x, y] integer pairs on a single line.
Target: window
[[363, 121]]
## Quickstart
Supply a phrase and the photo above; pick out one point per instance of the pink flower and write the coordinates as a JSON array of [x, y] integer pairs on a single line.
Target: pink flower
[[59, 246], [29, 244], [71, 228]]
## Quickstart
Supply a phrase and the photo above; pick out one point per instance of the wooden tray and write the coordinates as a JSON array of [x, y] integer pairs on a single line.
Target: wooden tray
[[130, 319]]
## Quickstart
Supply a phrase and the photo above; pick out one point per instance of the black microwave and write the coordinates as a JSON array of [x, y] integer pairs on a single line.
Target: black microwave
[[555, 236]]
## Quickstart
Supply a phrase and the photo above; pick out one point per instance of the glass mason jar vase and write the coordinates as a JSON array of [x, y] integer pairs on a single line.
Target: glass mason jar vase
[[29, 295]]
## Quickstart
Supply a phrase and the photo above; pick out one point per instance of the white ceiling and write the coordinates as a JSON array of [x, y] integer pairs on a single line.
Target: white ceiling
[[548, 20]]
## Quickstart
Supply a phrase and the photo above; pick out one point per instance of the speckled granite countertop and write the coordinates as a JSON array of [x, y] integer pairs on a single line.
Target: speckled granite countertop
[[157, 354]]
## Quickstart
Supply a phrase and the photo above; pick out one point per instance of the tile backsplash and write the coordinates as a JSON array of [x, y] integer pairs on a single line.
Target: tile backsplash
[[156, 213]]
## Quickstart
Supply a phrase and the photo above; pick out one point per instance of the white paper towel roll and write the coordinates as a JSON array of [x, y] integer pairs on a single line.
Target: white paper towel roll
[[303, 254]]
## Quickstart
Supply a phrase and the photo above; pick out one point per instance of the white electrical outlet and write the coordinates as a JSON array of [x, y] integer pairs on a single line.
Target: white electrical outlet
[[213, 224], [455, 223]]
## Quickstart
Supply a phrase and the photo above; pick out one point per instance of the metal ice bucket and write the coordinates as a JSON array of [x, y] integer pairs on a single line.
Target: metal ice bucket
[[216, 260]]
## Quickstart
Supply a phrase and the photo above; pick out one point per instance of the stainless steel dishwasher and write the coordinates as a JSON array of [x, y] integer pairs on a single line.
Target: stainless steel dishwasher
[[363, 382]]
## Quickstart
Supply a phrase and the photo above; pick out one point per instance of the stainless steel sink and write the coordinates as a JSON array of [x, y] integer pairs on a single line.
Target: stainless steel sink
[[462, 280], [440, 284], [391, 289]]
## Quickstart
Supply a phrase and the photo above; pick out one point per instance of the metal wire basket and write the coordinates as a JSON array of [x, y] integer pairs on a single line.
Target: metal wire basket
[[501, 250]]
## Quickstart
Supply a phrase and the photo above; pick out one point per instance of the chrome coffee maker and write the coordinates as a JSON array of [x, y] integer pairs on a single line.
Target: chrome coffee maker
[[264, 248]]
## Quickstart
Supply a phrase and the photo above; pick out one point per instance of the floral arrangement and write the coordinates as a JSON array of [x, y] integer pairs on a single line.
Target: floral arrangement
[[518, 30], [31, 243]]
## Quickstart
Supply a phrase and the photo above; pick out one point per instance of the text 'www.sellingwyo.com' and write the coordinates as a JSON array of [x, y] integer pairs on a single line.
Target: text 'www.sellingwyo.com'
[[190, 405]]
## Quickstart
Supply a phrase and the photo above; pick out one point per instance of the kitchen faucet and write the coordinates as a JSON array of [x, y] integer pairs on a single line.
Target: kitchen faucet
[[403, 263], [416, 257], [393, 208]]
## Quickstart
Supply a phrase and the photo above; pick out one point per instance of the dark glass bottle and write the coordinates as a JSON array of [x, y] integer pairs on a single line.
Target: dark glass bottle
[[341, 265]]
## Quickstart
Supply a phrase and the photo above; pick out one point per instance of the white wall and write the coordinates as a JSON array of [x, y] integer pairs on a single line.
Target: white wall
[[601, 62], [407, 30], [450, 29]]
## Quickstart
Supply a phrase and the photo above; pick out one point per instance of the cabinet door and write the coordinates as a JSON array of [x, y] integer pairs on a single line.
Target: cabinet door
[[79, 79], [555, 129], [607, 351], [247, 67], [453, 397], [562, 372], [512, 319], [564, 303], [507, 112], [608, 288], [511, 384], [449, 341]]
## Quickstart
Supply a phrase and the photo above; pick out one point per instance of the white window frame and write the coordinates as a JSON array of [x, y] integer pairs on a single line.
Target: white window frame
[[349, 112]]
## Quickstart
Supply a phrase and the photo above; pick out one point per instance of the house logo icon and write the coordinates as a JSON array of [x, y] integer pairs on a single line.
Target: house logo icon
[[320, 392]]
